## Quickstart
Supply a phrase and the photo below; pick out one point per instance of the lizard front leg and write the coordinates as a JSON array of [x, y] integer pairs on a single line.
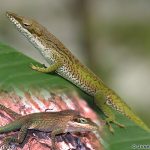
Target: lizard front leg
[[51, 68], [101, 103], [53, 135], [21, 136]]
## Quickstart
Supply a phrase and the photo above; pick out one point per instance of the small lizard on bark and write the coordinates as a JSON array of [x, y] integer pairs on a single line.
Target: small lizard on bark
[[55, 122], [64, 63]]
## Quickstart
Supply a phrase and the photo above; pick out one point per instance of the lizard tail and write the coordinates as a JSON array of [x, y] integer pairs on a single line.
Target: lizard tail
[[13, 126], [119, 105], [132, 116], [10, 112]]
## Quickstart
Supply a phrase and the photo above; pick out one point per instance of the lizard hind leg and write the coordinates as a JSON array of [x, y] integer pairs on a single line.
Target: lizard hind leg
[[101, 103], [110, 118]]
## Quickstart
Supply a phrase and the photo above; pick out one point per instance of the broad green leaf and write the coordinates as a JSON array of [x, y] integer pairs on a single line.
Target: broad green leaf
[[15, 71]]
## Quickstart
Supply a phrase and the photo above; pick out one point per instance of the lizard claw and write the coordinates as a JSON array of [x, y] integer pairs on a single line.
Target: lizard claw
[[110, 127], [109, 121], [33, 66], [119, 124], [37, 68]]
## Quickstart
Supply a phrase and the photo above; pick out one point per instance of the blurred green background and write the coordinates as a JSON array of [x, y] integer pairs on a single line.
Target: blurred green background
[[110, 37]]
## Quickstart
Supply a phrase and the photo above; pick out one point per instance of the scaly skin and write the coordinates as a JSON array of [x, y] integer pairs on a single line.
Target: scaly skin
[[63, 62], [54, 122]]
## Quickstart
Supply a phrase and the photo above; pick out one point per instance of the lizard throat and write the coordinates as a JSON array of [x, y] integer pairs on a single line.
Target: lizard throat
[[74, 126], [33, 39]]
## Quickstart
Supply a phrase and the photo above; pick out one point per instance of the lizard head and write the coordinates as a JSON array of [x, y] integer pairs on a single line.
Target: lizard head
[[32, 30], [36, 34], [81, 124], [25, 25]]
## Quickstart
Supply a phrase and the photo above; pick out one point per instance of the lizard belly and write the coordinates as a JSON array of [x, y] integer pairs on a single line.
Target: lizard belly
[[66, 73], [85, 80]]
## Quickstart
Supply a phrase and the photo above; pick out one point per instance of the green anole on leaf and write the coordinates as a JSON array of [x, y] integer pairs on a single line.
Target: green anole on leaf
[[64, 63]]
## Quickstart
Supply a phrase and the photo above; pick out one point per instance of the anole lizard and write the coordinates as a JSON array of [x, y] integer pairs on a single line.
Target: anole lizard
[[54, 122], [64, 63]]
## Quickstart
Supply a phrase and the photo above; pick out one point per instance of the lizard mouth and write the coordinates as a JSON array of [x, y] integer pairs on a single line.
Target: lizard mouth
[[81, 127], [13, 17], [18, 22], [10, 14]]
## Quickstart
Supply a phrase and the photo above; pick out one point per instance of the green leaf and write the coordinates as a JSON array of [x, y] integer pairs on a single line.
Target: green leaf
[[15, 71]]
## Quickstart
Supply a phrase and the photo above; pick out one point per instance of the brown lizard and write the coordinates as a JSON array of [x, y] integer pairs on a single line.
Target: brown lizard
[[54, 122]]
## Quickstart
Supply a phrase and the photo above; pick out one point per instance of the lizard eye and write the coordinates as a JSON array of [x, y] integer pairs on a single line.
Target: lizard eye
[[26, 23], [82, 120]]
